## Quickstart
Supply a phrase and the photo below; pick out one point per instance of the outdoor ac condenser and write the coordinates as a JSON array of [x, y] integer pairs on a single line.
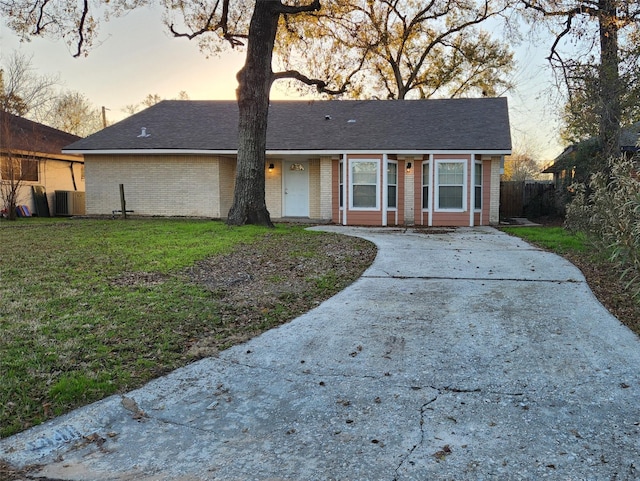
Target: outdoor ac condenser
[[69, 202]]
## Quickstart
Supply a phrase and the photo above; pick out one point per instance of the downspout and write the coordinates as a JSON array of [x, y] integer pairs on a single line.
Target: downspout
[[73, 176], [385, 191]]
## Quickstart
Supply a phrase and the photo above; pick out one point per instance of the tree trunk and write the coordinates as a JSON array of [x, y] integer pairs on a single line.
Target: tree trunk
[[610, 111], [254, 85]]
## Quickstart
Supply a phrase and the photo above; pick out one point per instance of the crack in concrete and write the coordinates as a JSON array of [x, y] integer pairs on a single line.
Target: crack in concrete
[[423, 408], [483, 279]]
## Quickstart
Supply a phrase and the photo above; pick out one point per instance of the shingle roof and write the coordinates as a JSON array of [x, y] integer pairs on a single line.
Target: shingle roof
[[17, 133], [629, 137], [338, 125]]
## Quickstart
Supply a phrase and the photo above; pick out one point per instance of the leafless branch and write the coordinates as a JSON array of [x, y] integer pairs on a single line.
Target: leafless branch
[[39, 25], [292, 10], [320, 85], [85, 12], [212, 26]]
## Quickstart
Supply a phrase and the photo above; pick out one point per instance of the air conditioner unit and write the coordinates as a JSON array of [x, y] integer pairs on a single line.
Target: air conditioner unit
[[69, 202]]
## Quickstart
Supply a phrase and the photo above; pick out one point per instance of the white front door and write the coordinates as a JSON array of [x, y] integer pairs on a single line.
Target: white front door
[[296, 189]]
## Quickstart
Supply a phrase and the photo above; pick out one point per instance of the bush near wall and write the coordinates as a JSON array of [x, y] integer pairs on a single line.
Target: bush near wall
[[607, 210]]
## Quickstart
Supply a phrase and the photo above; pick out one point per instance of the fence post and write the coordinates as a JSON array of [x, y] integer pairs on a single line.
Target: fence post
[[123, 204]]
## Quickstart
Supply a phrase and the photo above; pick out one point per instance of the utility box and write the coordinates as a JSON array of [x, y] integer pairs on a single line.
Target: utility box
[[69, 202]]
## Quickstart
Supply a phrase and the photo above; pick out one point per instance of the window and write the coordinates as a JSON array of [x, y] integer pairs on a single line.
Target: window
[[364, 184], [426, 176], [392, 185], [450, 188], [19, 169], [477, 200]]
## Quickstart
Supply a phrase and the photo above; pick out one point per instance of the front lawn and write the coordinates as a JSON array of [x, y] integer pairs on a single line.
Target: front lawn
[[89, 308]]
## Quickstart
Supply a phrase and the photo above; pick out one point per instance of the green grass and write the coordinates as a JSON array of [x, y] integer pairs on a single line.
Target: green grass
[[73, 332], [554, 239]]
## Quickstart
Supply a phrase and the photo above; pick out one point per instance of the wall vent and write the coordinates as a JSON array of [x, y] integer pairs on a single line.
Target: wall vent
[[69, 202]]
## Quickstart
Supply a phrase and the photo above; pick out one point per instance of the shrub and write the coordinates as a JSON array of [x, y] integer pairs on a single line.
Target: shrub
[[608, 212]]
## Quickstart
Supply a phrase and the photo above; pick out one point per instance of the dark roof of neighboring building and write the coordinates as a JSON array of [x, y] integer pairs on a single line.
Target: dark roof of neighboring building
[[18, 133], [337, 125], [629, 138]]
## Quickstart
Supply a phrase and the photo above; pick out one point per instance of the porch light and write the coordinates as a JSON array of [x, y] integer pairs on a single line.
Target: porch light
[[271, 167], [408, 166]]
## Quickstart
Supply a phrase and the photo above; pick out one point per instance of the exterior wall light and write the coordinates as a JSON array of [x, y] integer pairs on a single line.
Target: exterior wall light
[[408, 166], [271, 167]]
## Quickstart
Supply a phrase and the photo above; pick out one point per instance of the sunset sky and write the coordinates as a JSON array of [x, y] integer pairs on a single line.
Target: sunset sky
[[137, 56]]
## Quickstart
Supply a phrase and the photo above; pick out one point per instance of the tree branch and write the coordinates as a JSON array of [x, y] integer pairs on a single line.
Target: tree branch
[[320, 85], [314, 6], [83, 18], [210, 26]]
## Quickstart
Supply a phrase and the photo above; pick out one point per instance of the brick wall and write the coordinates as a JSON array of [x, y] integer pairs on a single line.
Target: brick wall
[[326, 188], [227, 183], [314, 189], [154, 185], [273, 189]]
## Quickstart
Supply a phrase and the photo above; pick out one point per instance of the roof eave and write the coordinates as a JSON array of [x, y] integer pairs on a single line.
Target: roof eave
[[285, 152]]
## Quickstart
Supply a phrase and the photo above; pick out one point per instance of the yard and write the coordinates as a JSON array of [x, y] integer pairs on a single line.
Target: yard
[[90, 308]]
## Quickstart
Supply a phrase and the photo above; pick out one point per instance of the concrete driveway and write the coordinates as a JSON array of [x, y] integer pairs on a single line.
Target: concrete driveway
[[459, 355]]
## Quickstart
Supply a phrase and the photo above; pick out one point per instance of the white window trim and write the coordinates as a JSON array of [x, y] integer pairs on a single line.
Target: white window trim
[[352, 162], [386, 183], [475, 166], [426, 164], [464, 185]]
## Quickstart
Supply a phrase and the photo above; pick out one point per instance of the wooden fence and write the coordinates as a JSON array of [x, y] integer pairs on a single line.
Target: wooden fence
[[526, 199]]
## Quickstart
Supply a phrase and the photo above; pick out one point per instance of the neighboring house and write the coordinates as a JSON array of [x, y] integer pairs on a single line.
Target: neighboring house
[[423, 162], [35, 151], [565, 167]]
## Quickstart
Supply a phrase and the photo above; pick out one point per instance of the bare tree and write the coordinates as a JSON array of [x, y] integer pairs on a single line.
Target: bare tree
[[607, 25], [16, 165], [73, 113], [23, 91], [149, 100]]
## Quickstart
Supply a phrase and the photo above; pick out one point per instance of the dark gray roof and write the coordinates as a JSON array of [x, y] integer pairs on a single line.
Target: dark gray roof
[[629, 137], [335, 126]]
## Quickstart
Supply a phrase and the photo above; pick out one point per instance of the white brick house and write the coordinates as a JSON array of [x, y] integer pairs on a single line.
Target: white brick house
[[422, 162]]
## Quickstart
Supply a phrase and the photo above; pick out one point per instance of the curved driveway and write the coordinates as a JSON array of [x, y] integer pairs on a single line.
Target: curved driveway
[[460, 354]]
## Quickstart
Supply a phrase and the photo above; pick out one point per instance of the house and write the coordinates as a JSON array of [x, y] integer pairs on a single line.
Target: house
[[31, 153], [423, 162], [573, 163]]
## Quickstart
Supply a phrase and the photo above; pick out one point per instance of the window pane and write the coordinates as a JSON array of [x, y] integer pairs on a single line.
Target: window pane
[[425, 174], [30, 170], [425, 197], [451, 173], [478, 174], [364, 196], [478, 198], [365, 172], [10, 169], [450, 197], [391, 193], [392, 174]]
